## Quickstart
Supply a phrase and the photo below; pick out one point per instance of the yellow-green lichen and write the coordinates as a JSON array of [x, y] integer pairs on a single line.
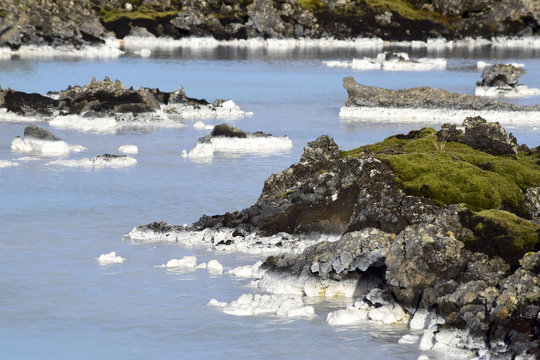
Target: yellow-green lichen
[[312, 5]]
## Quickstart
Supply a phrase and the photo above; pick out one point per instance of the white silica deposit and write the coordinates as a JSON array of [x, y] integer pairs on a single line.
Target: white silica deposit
[[96, 162], [379, 62], [223, 240], [250, 144], [110, 258], [226, 110], [110, 49], [199, 125], [7, 163], [419, 115], [31, 145], [361, 311], [248, 271], [185, 263], [128, 149], [214, 267], [506, 91], [284, 306], [481, 65]]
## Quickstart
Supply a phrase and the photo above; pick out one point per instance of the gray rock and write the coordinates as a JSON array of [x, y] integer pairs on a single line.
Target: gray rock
[[39, 133], [501, 75], [532, 202], [422, 97], [265, 19], [489, 137]]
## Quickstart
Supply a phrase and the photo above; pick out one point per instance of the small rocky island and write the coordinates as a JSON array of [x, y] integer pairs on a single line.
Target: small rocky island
[[443, 226]]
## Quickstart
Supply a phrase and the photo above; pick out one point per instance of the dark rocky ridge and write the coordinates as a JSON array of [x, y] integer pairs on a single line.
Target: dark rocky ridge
[[76, 23], [103, 97], [422, 97]]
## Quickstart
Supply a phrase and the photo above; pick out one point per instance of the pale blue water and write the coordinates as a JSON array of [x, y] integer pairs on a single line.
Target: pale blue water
[[56, 302]]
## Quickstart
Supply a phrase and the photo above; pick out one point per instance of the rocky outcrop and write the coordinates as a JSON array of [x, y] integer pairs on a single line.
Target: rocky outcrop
[[421, 98], [105, 97], [323, 193], [501, 75], [482, 135], [66, 23]]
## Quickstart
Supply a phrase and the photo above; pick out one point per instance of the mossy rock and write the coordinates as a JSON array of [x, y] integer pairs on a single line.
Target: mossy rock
[[500, 233], [312, 5], [455, 173], [145, 12]]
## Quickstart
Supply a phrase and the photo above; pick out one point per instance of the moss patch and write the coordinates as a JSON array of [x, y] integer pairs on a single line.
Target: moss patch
[[145, 12], [403, 8], [500, 233], [452, 172]]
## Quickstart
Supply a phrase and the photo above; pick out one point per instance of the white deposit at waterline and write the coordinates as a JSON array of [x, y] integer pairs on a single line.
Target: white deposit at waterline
[[96, 162], [506, 91], [250, 144], [437, 116], [285, 306], [31, 145], [110, 258], [128, 149], [395, 64], [7, 163]]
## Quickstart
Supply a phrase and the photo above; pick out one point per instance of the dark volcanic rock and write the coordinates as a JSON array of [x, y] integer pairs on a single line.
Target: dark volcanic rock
[[323, 193], [27, 104], [532, 201], [489, 137], [39, 133], [422, 97], [501, 75], [227, 131]]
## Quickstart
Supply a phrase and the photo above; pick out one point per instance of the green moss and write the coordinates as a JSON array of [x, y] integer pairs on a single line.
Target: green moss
[[312, 5], [3, 13], [401, 7], [145, 12], [500, 233], [452, 172]]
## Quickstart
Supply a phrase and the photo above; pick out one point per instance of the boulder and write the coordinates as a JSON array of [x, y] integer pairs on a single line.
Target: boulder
[[27, 104], [39, 133], [501, 75], [489, 137]]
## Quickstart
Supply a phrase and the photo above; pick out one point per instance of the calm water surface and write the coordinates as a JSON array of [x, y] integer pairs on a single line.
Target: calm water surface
[[56, 302]]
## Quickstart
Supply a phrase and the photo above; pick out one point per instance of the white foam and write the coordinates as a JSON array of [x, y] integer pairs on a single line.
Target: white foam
[[7, 163], [224, 241], [199, 125], [110, 258], [31, 145], [506, 91], [185, 263], [250, 144], [214, 267], [128, 149], [418, 115], [96, 162], [284, 306], [248, 271], [422, 64], [110, 49]]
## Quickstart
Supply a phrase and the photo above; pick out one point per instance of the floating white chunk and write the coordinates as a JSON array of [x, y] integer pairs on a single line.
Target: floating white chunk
[[110, 258], [96, 162], [128, 149], [506, 91], [31, 145], [199, 125], [7, 163], [187, 262], [214, 267], [285, 306], [248, 271], [409, 339], [349, 316]]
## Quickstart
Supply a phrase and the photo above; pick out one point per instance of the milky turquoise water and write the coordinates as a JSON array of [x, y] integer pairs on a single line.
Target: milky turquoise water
[[57, 302]]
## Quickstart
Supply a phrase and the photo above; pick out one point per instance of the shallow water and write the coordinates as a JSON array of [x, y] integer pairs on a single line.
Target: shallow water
[[57, 302]]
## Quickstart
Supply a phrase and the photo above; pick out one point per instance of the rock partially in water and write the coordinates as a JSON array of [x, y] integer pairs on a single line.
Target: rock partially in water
[[39, 133], [421, 98], [501, 75]]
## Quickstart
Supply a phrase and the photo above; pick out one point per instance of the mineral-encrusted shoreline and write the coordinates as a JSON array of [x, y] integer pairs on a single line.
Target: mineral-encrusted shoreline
[[55, 23], [431, 222]]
